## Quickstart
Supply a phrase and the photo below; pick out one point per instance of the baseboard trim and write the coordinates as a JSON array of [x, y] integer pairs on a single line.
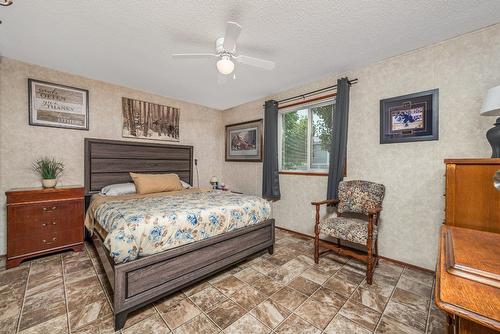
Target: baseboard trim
[[380, 256]]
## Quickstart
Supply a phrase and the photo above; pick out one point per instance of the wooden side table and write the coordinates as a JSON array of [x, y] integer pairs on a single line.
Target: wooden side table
[[468, 280], [42, 221]]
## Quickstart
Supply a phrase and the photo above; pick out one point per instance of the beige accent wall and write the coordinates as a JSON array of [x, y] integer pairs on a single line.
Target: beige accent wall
[[21, 144], [413, 173]]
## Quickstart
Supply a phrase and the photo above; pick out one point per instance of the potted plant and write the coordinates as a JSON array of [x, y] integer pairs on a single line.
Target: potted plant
[[49, 169]]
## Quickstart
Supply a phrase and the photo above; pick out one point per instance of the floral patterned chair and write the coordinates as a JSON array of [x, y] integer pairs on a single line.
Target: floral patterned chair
[[361, 198]]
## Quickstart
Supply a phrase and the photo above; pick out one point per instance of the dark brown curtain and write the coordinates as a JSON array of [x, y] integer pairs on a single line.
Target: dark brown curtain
[[338, 148], [270, 170]]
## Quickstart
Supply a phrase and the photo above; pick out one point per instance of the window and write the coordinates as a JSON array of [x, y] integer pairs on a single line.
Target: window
[[305, 135]]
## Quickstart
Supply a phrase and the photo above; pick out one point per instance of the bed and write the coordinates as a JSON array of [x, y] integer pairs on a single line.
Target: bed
[[142, 278]]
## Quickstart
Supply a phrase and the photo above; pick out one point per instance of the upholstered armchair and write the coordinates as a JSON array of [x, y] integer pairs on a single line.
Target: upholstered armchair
[[356, 220]]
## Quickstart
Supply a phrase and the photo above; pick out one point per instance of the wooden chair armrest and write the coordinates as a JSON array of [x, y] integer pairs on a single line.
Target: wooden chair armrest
[[375, 211], [328, 201]]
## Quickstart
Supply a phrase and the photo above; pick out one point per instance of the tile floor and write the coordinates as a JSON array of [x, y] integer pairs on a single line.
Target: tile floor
[[283, 293]]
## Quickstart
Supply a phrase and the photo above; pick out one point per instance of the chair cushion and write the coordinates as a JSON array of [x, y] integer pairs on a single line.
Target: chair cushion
[[350, 229], [360, 196]]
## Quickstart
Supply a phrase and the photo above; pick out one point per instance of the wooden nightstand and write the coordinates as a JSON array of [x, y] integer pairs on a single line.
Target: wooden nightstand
[[41, 221]]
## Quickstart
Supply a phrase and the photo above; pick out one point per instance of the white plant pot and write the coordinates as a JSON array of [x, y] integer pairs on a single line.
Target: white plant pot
[[49, 183]]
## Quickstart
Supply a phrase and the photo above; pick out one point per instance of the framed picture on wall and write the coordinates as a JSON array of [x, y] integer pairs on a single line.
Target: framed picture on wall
[[57, 106], [146, 120], [409, 118], [244, 141]]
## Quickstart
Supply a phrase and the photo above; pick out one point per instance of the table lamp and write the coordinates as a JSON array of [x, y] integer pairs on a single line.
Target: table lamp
[[491, 107], [214, 181]]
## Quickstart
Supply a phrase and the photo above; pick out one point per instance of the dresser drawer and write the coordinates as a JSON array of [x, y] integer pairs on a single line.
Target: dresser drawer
[[43, 217], [35, 242]]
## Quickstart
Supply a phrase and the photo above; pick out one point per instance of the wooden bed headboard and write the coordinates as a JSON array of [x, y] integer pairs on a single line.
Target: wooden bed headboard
[[110, 161]]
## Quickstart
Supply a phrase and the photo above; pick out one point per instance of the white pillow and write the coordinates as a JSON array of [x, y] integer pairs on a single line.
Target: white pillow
[[119, 189], [186, 185]]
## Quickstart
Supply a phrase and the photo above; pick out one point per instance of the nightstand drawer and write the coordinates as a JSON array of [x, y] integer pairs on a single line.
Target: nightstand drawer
[[45, 216], [36, 242]]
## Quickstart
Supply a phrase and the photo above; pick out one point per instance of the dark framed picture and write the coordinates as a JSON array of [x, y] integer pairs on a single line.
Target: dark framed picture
[[57, 106], [408, 118], [146, 120], [244, 141]]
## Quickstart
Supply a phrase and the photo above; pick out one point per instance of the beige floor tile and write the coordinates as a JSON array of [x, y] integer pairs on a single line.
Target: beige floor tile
[[316, 313], [419, 275], [179, 313], [56, 325], [226, 313], [247, 324], [329, 298], [263, 266], [369, 297], [208, 298], [304, 285], [193, 289], [267, 285], [340, 286], [199, 325], [315, 275], [408, 309], [152, 325], [294, 325], [42, 307], [289, 298], [103, 325], [248, 297], [169, 301], [249, 275], [229, 285], [388, 325], [270, 313], [139, 315], [414, 286], [360, 314], [88, 313], [342, 325]]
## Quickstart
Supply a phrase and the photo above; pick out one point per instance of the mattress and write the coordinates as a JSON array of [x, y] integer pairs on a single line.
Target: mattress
[[136, 225]]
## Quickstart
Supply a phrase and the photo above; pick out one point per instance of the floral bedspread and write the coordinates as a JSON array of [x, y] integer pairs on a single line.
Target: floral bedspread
[[145, 226]]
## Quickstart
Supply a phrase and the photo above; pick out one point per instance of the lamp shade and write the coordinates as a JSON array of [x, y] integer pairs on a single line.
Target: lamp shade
[[491, 104]]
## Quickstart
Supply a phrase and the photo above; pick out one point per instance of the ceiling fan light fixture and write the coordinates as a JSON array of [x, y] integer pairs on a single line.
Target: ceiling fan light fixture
[[225, 65]]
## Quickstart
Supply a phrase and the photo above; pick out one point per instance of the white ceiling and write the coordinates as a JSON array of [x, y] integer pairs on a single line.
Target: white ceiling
[[129, 42]]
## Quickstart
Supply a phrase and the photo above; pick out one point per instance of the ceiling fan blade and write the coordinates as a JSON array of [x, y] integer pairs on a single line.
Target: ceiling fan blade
[[265, 64], [233, 30], [194, 55]]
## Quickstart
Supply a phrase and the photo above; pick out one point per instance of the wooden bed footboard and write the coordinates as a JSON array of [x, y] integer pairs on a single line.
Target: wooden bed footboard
[[142, 281]]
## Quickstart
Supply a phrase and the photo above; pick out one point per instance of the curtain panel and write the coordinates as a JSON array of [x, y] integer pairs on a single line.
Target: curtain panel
[[338, 146], [270, 169]]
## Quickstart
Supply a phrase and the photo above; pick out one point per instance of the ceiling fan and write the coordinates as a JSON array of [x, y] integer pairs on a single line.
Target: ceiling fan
[[225, 52]]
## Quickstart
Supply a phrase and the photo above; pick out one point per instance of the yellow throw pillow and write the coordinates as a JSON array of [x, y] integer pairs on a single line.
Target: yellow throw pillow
[[156, 183]]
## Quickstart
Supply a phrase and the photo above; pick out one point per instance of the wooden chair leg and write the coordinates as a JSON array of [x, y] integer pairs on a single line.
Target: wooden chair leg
[[376, 252], [316, 236]]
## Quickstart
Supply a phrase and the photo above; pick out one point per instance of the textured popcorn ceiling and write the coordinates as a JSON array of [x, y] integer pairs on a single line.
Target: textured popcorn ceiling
[[130, 42]]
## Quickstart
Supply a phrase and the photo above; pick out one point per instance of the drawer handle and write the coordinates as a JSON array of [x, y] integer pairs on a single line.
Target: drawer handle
[[47, 224], [496, 180], [49, 242], [50, 209]]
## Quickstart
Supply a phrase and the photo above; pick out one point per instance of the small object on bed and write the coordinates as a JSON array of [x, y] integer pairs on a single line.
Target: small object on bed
[[119, 189], [186, 185], [156, 183]]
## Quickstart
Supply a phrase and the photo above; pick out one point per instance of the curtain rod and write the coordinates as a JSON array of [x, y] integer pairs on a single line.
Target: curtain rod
[[322, 90]]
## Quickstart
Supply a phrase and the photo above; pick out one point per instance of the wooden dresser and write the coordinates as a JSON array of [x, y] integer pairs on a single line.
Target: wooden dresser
[[468, 280], [41, 221], [472, 201]]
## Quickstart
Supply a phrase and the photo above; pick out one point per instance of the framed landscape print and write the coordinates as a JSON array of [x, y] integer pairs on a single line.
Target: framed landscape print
[[244, 141], [57, 105], [146, 120], [409, 118]]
